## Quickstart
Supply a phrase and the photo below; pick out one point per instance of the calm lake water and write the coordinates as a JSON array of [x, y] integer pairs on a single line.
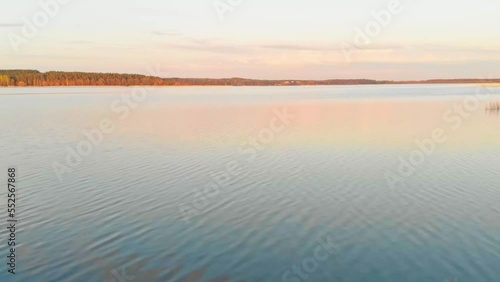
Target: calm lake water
[[253, 183]]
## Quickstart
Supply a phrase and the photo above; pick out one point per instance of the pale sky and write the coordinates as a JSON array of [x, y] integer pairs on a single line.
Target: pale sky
[[267, 39]]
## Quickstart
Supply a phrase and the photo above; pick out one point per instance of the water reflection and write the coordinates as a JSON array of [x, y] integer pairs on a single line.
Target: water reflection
[[323, 175], [493, 108], [388, 124]]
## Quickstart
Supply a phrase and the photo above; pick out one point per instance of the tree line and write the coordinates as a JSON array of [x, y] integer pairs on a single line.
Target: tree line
[[58, 78], [55, 78]]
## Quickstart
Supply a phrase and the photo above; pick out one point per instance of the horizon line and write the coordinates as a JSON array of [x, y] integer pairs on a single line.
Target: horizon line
[[493, 80]]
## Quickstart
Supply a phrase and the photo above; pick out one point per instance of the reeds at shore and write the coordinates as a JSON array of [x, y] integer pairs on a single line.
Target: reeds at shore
[[493, 107]]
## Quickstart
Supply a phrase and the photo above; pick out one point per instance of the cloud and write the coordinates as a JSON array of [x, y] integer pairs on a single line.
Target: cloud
[[166, 33], [209, 47], [79, 42], [11, 24], [225, 47], [396, 49], [326, 48], [444, 48]]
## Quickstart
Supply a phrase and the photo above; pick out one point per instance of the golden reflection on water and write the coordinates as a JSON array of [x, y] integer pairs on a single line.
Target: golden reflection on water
[[387, 124]]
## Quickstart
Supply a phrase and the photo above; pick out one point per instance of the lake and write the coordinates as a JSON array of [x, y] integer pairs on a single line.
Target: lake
[[325, 183]]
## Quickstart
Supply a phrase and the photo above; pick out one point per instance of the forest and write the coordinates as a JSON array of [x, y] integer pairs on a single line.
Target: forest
[[36, 78]]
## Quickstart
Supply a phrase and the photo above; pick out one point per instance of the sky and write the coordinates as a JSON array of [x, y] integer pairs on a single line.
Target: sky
[[262, 39]]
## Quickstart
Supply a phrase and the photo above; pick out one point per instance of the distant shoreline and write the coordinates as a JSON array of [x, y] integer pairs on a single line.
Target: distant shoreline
[[35, 78], [218, 86]]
